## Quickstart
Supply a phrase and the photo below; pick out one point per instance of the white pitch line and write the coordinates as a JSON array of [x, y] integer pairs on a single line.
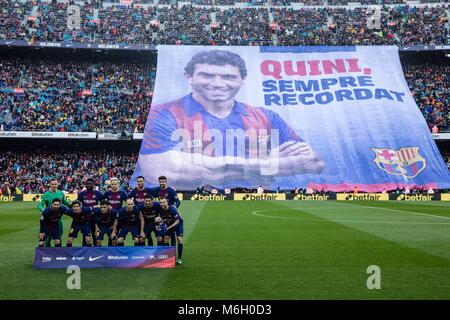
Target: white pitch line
[[404, 211], [255, 213]]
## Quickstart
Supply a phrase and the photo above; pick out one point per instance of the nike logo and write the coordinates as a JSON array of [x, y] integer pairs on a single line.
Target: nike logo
[[93, 259], [9, 42]]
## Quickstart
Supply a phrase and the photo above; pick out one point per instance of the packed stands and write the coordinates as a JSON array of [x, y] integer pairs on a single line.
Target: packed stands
[[53, 98], [333, 24], [30, 172], [74, 95]]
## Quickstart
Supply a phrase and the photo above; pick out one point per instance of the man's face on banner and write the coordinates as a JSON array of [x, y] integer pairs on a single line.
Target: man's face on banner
[[215, 83]]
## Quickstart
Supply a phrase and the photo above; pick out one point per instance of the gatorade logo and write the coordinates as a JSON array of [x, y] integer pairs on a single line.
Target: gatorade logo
[[417, 197]]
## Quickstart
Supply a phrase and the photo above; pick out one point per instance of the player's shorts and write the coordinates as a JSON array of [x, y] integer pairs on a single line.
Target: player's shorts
[[84, 228], [148, 229], [179, 230], [163, 232], [125, 229], [104, 229], [53, 231], [41, 225]]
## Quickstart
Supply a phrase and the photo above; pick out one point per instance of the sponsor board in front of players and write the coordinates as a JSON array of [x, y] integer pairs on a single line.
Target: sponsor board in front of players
[[94, 258], [117, 257], [77, 258]]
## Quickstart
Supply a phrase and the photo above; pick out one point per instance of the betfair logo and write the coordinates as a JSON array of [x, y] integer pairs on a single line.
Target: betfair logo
[[316, 197], [210, 197], [362, 197], [259, 197], [7, 198], [418, 197]]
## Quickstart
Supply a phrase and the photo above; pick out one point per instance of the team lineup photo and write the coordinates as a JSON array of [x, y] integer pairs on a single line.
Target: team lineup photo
[[232, 157]]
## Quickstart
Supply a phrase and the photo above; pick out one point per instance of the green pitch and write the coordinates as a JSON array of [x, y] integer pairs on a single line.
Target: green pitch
[[259, 250]]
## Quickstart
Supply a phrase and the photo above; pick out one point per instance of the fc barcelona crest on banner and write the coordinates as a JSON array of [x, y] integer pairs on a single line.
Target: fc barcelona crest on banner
[[406, 162]]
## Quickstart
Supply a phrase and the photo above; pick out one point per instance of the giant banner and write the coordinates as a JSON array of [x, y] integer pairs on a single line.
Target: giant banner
[[332, 118]]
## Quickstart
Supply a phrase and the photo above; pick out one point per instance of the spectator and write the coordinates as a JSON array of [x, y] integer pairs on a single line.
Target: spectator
[[309, 190]]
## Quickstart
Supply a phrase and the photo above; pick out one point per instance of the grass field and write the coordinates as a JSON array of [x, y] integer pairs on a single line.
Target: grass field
[[259, 250]]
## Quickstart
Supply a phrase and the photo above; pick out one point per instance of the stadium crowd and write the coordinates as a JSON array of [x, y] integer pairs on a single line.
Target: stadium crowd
[[280, 25], [53, 98], [30, 172], [430, 87], [122, 93], [106, 96]]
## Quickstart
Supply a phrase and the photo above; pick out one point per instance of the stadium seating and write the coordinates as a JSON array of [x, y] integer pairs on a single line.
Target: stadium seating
[[162, 24], [53, 99], [430, 87], [29, 172], [109, 96]]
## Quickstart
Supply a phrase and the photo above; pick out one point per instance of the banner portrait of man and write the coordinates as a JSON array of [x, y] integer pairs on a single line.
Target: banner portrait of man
[[207, 136]]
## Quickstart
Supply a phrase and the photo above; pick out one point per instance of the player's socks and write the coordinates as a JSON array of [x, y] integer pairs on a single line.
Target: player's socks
[[120, 244], [41, 246], [58, 245], [69, 245], [180, 250], [150, 242]]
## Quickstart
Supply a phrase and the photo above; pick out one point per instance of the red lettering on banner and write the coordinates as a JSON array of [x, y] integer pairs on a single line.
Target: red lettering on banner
[[278, 69]]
